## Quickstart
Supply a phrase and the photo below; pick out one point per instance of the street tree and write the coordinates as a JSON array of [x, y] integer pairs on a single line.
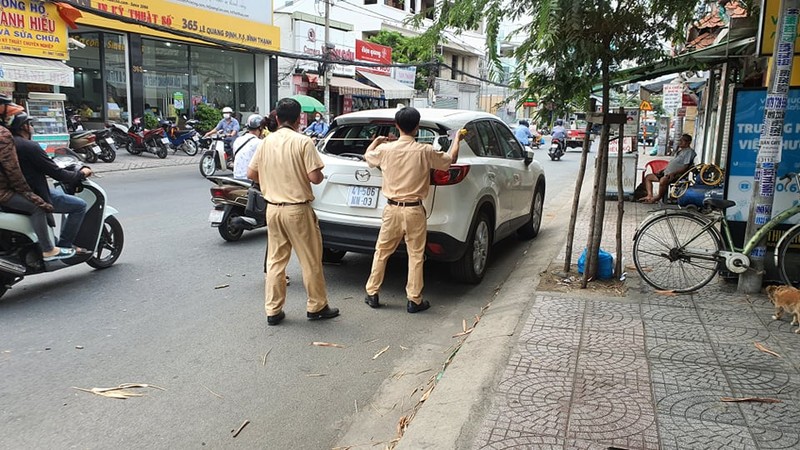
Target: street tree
[[409, 50], [567, 47]]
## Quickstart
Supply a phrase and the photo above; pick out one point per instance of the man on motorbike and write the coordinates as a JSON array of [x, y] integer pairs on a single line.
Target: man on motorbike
[[244, 147], [318, 128], [36, 166], [228, 126], [559, 132], [523, 133], [15, 194]]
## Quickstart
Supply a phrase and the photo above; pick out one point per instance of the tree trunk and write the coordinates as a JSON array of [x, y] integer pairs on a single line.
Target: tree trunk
[[620, 197], [576, 199], [598, 197]]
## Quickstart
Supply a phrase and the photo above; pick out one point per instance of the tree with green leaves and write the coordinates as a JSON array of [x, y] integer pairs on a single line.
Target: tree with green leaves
[[580, 43], [407, 50]]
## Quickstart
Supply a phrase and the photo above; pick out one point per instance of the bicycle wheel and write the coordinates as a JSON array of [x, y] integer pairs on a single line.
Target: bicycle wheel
[[675, 253], [788, 257], [711, 174]]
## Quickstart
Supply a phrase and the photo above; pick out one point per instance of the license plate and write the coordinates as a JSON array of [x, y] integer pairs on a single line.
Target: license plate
[[362, 196], [110, 141], [97, 150], [215, 216], [165, 140]]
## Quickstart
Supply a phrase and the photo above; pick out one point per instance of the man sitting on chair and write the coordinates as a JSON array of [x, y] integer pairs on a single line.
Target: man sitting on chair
[[683, 159]]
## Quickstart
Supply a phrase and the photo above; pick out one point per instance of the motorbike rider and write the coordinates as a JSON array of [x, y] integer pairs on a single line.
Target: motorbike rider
[[560, 133], [244, 147], [36, 165], [523, 133], [15, 194], [318, 128], [228, 126]]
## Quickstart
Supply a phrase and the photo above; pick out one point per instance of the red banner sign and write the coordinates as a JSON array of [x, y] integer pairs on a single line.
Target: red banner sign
[[374, 53]]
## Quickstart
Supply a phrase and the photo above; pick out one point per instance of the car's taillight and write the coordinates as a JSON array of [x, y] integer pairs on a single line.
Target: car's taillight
[[218, 192], [453, 175]]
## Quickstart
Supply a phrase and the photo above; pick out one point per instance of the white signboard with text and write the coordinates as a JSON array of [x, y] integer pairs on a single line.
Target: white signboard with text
[[673, 97], [309, 39]]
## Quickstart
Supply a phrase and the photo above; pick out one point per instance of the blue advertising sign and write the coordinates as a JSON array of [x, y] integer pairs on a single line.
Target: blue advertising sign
[[748, 119]]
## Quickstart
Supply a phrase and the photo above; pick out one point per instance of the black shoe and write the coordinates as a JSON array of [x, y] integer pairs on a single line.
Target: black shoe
[[276, 319], [326, 313], [412, 307], [372, 300]]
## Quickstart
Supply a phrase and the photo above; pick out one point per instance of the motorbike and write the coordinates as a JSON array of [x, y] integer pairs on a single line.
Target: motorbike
[[142, 140], [231, 214], [119, 132], [186, 140], [108, 147], [558, 147], [216, 155], [100, 232], [85, 143]]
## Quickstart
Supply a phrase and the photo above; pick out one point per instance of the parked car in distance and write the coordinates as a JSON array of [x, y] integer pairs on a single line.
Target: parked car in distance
[[494, 190], [648, 132]]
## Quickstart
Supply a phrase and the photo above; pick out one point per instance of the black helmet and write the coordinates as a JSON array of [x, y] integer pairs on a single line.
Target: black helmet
[[559, 122], [9, 111], [20, 119]]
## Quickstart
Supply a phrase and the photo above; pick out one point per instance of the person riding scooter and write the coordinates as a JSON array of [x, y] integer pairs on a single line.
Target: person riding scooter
[[15, 194], [36, 165], [244, 147], [228, 126]]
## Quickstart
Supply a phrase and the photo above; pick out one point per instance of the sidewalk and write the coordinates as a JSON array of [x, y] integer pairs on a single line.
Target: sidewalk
[[642, 371], [126, 161]]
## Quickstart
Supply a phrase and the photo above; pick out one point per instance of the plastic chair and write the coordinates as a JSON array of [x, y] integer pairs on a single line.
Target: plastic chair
[[655, 166]]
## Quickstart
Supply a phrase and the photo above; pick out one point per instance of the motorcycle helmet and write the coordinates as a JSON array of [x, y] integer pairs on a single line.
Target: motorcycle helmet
[[19, 120], [559, 122], [227, 109], [8, 111], [255, 121]]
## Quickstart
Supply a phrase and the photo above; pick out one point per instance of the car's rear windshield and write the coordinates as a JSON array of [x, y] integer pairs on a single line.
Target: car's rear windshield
[[355, 138]]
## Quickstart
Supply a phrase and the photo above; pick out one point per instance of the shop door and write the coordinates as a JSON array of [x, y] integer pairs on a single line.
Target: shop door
[[166, 78]]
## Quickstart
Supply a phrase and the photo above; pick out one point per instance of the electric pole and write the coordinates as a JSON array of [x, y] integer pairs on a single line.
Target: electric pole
[[326, 53]]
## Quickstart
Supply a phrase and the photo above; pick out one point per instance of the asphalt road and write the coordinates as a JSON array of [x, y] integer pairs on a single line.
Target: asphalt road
[[183, 310]]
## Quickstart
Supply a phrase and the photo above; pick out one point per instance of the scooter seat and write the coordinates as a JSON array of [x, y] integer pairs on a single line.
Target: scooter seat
[[79, 134]]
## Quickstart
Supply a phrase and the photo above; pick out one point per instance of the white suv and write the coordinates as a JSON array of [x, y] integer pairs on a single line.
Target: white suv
[[494, 190]]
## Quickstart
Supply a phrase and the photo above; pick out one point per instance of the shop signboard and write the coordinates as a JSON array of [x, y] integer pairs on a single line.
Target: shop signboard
[[631, 123], [32, 28], [673, 97], [768, 27], [309, 39], [405, 75], [748, 118], [242, 22], [374, 53]]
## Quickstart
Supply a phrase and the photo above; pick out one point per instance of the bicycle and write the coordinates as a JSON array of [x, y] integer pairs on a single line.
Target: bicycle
[[707, 174], [682, 250]]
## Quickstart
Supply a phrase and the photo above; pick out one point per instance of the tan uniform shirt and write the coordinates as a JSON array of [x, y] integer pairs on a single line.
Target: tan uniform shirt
[[406, 166], [283, 161]]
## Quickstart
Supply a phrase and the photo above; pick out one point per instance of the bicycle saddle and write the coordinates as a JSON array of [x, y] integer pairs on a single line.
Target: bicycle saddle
[[718, 203]]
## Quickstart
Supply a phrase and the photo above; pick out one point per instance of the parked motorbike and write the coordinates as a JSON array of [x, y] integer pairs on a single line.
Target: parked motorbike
[[216, 155], [151, 141], [108, 147], [186, 140], [100, 232], [230, 213], [119, 132], [85, 144], [558, 147]]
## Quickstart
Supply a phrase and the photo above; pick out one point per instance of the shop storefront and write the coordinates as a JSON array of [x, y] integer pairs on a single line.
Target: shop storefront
[[392, 92], [122, 70], [33, 43]]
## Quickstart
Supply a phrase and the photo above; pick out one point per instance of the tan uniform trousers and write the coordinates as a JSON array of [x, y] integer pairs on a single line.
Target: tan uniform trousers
[[400, 222], [293, 226]]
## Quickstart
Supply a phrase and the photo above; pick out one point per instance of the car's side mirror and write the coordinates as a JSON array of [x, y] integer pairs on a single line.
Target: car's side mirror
[[528, 156]]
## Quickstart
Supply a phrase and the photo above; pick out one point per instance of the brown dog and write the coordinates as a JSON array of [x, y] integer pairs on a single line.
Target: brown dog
[[785, 298]]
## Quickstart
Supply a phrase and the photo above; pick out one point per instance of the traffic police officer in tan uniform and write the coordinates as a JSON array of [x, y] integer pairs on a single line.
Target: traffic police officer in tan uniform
[[406, 166], [285, 165]]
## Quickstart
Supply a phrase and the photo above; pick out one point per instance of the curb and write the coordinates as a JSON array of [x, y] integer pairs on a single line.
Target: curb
[[126, 161]]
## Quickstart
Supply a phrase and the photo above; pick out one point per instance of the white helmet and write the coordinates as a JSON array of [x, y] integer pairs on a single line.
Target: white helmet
[[227, 109]]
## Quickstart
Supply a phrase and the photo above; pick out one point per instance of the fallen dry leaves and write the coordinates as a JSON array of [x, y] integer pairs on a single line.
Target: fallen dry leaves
[[385, 349], [326, 344], [750, 399], [122, 392], [766, 350]]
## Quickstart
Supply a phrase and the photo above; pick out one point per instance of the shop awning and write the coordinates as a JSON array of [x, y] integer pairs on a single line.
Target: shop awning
[[697, 60], [349, 86], [33, 70], [392, 88]]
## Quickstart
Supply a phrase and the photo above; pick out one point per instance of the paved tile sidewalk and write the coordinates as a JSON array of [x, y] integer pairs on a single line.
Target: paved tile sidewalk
[[647, 371], [125, 161]]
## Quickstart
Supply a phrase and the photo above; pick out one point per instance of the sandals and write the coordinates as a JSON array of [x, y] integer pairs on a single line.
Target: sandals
[[63, 253], [81, 251]]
